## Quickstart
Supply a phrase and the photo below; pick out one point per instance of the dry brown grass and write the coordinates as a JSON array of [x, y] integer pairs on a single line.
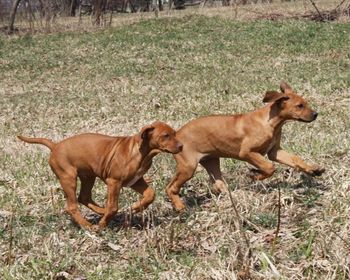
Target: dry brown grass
[[117, 80]]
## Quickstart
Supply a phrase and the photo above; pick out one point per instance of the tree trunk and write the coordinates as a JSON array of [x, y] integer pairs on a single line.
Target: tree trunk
[[160, 5], [11, 27], [97, 8], [73, 7]]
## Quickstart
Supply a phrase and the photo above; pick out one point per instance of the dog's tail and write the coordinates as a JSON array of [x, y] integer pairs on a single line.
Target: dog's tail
[[47, 142]]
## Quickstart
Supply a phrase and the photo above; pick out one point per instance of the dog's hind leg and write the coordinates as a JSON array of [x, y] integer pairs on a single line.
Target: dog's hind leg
[[67, 175], [114, 186], [69, 185], [85, 196], [212, 166]]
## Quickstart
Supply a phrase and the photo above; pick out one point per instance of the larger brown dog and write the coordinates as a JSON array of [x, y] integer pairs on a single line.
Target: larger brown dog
[[118, 161], [246, 137]]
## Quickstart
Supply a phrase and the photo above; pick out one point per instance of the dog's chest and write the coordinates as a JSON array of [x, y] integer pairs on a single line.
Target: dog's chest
[[139, 174], [264, 142], [270, 142], [134, 180], [270, 145]]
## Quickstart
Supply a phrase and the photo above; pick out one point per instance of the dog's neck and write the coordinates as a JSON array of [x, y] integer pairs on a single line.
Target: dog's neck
[[147, 153], [275, 120]]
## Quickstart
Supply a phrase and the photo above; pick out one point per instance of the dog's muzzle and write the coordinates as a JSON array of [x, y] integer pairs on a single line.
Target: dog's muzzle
[[180, 147]]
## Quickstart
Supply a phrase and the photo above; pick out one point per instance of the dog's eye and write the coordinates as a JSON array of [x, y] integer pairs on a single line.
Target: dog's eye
[[300, 106], [166, 135]]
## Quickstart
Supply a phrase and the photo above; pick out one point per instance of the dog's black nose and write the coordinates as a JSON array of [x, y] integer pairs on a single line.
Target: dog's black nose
[[315, 115]]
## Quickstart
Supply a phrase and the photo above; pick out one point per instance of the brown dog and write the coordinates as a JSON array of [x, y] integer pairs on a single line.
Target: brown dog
[[118, 161], [246, 137]]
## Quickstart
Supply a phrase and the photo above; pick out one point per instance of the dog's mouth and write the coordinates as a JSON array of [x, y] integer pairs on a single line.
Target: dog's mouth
[[307, 118], [175, 151], [171, 151], [305, 121]]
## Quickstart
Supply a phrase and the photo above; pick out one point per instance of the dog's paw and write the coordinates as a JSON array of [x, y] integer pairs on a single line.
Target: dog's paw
[[95, 228], [256, 175], [101, 226], [219, 187], [180, 208], [317, 171]]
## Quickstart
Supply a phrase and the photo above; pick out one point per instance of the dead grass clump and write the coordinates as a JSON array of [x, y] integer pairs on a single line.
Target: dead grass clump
[[177, 69]]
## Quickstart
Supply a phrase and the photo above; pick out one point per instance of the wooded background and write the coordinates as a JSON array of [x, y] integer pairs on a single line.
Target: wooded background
[[41, 14], [47, 10]]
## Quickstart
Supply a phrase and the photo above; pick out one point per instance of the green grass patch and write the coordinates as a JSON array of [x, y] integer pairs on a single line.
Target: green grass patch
[[117, 80]]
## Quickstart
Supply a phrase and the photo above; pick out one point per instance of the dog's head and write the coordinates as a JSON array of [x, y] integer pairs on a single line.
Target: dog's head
[[161, 136], [290, 106]]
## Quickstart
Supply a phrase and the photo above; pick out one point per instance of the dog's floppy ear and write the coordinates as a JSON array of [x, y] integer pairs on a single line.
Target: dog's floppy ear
[[145, 131], [276, 97], [285, 88], [271, 96]]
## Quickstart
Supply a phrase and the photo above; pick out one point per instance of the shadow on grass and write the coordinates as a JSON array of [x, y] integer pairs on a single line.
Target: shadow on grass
[[305, 182], [307, 186], [124, 220], [193, 199]]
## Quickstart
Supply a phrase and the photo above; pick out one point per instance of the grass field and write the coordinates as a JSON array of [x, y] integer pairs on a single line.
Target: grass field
[[175, 69]]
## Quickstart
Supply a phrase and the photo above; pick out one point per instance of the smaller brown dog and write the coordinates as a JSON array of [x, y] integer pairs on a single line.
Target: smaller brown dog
[[118, 161], [246, 137]]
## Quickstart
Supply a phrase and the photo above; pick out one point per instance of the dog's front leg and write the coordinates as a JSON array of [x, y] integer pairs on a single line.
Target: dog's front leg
[[111, 208], [294, 161], [265, 168], [148, 195]]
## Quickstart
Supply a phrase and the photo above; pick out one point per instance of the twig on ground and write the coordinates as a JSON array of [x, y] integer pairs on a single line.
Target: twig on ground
[[317, 10], [278, 220], [9, 253], [52, 200], [248, 255], [338, 6], [347, 244]]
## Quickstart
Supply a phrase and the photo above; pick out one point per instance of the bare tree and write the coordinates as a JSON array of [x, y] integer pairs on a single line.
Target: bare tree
[[11, 27], [97, 7], [73, 7]]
